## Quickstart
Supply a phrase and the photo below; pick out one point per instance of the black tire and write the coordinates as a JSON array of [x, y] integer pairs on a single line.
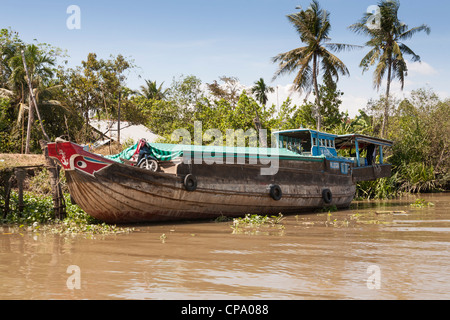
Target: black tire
[[190, 182], [275, 192], [327, 196], [149, 164]]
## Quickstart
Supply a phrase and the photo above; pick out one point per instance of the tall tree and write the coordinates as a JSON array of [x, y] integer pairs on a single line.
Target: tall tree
[[40, 72], [260, 90], [230, 90], [95, 87], [313, 26], [387, 48]]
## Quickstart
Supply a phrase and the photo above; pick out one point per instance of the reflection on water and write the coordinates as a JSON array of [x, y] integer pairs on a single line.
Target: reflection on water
[[337, 255]]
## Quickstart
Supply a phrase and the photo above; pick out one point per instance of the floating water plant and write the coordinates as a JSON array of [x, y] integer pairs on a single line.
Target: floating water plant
[[255, 224], [420, 203]]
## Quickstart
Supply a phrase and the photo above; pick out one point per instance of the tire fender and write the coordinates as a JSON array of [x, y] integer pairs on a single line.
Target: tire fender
[[190, 182], [275, 192], [327, 196]]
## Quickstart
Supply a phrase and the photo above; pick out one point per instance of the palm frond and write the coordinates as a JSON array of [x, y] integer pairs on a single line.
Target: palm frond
[[291, 60], [338, 47], [411, 32], [303, 80], [379, 72], [405, 49]]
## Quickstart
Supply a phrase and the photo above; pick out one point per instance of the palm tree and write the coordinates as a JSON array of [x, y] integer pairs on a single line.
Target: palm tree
[[260, 90], [387, 49], [313, 26], [151, 91], [40, 71]]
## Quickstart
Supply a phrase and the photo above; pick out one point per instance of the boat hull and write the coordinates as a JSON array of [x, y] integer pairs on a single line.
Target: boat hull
[[119, 193]]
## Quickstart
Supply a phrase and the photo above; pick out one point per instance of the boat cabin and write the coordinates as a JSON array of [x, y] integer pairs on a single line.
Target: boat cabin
[[307, 142], [363, 149], [364, 153]]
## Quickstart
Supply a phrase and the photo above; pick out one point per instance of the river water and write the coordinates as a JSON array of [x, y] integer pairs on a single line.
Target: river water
[[374, 250]]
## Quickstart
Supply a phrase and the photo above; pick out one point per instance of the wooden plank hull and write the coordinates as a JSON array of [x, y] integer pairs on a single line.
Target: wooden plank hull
[[122, 194], [119, 193]]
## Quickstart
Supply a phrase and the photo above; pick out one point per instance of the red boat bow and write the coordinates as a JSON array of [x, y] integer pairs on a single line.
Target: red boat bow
[[74, 157]]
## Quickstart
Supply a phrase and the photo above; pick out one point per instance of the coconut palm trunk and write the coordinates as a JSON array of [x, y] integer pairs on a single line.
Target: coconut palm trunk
[[387, 104], [316, 90]]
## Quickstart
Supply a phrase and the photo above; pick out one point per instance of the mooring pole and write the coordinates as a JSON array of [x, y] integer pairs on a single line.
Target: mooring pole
[[59, 205], [20, 175], [118, 121]]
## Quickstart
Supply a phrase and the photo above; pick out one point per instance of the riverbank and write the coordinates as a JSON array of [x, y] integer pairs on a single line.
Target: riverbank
[[35, 212], [37, 216], [12, 160]]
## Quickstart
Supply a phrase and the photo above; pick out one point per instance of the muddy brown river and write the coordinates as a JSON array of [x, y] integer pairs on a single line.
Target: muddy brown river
[[374, 250]]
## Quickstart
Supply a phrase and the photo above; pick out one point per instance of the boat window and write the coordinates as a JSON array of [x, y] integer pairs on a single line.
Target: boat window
[[314, 142], [298, 142]]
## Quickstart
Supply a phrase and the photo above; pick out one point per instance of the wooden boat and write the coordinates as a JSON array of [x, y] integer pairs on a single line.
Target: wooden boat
[[302, 172]]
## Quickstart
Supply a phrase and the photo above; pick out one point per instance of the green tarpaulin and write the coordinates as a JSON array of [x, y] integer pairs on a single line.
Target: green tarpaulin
[[125, 154], [167, 152]]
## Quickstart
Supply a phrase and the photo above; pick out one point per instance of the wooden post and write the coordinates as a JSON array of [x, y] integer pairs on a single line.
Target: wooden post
[[357, 152], [381, 154], [59, 205], [20, 175], [118, 122], [7, 195]]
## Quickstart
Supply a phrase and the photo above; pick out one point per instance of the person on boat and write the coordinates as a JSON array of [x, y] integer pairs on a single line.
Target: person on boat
[[371, 152], [144, 149]]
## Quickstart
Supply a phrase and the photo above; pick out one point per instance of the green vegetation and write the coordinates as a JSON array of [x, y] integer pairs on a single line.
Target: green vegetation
[[421, 203], [257, 224], [37, 215]]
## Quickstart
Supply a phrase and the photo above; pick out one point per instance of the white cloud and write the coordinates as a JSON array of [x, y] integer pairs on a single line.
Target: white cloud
[[281, 93], [352, 104], [421, 68]]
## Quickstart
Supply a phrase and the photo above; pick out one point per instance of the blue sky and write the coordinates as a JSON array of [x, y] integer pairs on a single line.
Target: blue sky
[[213, 38]]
